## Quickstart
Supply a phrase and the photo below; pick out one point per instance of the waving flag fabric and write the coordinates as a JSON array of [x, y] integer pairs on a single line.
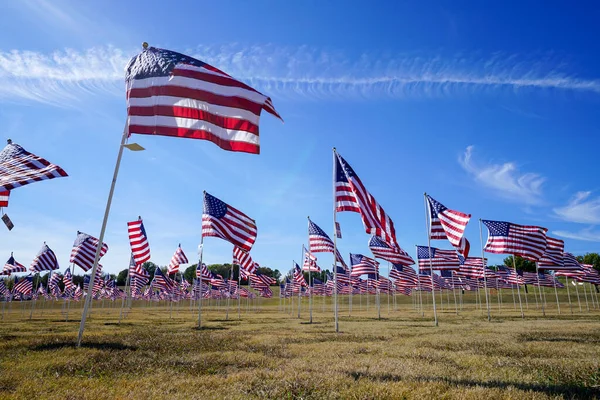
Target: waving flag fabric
[[177, 259], [363, 265], [318, 240], [24, 286], [138, 241], [310, 262], [138, 271], [19, 167], [553, 255], [243, 259], [203, 273], [299, 276], [591, 275], [437, 259], [45, 260], [84, 251], [4, 195], [223, 221], [351, 195], [4, 292], [448, 224], [472, 267], [161, 281], [68, 280], [403, 274], [570, 263], [395, 255], [12, 266], [520, 240], [171, 94]]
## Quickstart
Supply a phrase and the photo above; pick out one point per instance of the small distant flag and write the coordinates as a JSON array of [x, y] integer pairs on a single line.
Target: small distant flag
[[84, 251], [395, 255], [4, 195], [24, 286], [338, 230], [138, 241], [171, 94], [310, 262], [437, 259], [243, 259], [448, 224], [177, 259], [45, 260], [19, 167], [221, 220], [363, 265], [68, 280], [318, 240], [12, 266]]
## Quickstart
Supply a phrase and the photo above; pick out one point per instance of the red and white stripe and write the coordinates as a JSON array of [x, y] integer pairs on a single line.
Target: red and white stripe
[[527, 241], [84, 251], [45, 260], [553, 256], [243, 259], [177, 259], [235, 226], [138, 241], [4, 195]]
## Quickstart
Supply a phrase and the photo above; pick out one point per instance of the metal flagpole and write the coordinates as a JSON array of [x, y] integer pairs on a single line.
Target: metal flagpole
[[454, 291], [335, 307], [299, 292], [518, 286], [537, 273], [123, 299], [101, 237], [239, 292], [575, 282], [483, 263], [427, 225], [568, 294], [229, 291], [201, 253], [556, 293], [587, 305], [35, 289], [389, 288]]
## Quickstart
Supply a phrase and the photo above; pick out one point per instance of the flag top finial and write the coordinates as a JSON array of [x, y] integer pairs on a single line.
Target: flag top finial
[[145, 45], [9, 141]]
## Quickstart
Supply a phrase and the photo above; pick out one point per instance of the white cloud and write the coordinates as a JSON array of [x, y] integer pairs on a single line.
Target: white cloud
[[585, 235], [505, 179], [581, 208], [286, 72]]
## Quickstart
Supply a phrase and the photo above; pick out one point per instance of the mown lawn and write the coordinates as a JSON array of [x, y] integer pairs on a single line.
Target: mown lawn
[[273, 354]]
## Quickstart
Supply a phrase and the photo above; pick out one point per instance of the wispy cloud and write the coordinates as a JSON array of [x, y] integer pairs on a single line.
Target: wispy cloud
[[505, 179], [581, 208], [300, 72], [587, 235]]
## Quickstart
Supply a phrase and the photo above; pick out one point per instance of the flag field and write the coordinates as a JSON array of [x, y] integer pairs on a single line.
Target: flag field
[[157, 352]]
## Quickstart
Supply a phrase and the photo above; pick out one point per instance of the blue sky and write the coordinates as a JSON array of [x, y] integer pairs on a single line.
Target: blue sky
[[490, 108]]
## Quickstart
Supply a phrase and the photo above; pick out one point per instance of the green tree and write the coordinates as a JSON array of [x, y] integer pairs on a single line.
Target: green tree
[[121, 278], [190, 273], [590, 258], [521, 263], [150, 267]]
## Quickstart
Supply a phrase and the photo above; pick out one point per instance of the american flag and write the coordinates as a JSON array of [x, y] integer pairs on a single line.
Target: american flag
[[161, 281], [519, 240], [171, 94], [299, 276], [243, 259], [203, 273], [84, 251], [590, 275], [318, 240], [4, 292], [4, 195], [472, 267], [448, 224], [395, 255], [223, 221], [261, 281], [310, 261], [98, 281], [68, 280], [24, 286], [509, 275], [351, 195], [138, 272], [55, 278], [570, 263], [553, 256], [138, 241], [452, 279], [338, 230], [45, 260], [363, 265], [403, 274], [12, 266], [437, 259], [177, 259], [19, 167]]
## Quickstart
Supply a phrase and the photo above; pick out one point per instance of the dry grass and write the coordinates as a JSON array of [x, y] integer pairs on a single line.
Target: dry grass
[[272, 354]]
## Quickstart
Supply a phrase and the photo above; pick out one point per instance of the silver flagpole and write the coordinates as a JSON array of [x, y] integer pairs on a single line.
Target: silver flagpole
[[518, 286], [427, 225], [101, 237], [335, 307], [537, 273], [201, 251], [123, 299], [483, 263]]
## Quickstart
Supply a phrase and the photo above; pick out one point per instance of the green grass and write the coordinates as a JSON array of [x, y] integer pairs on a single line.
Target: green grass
[[273, 354]]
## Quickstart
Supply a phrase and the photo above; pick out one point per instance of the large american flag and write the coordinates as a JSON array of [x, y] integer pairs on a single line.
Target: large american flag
[[437, 259], [19, 167], [4, 195], [395, 255], [12, 266], [138, 241], [351, 195], [84, 251], [363, 265], [177, 259], [243, 259], [448, 224], [553, 255], [45, 260], [171, 94], [223, 221], [521, 240]]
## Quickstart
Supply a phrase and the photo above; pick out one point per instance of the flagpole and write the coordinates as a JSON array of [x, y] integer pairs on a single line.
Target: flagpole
[[239, 292], [568, 293], [335, 308], [123, 300], [518, 286], [201, 251], [556, 293], [101, 237], [483, 263], [537, 273], [427, 225], [229, 291]]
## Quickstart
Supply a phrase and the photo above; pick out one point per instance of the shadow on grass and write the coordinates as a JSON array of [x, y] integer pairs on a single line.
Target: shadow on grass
[[568, 390], [310, 323], [85, 345], [119, 324], [210, 328]]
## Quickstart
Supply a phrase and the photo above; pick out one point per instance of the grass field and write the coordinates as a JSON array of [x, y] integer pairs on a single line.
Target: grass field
[[270, 353]]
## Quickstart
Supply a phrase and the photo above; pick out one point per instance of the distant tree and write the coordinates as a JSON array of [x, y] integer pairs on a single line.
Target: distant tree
[[121, 278], [521, 263], [190, 273], [150, 267], [590, 258]]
